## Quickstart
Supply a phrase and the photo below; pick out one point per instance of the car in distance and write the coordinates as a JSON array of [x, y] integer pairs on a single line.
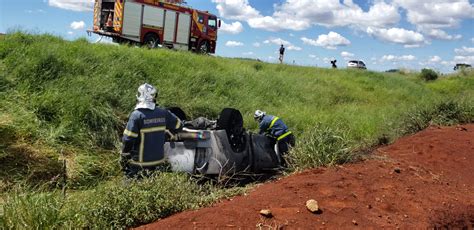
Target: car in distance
[[356, 64]]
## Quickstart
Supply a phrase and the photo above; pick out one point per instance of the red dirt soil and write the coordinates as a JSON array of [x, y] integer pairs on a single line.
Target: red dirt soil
[[421, 181]]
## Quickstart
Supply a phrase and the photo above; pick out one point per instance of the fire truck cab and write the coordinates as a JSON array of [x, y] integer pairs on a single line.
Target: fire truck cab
[[156, 23]]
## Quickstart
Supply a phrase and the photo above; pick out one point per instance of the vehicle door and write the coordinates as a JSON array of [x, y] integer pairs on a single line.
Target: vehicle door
[[212, 27]]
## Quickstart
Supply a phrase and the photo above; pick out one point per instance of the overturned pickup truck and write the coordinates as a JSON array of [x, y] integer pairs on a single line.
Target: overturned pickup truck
[[221, 147]]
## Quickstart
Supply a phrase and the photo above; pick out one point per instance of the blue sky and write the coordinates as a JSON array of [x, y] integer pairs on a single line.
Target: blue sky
[[385, 34]]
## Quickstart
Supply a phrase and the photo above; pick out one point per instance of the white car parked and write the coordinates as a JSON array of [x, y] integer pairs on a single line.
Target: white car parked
[[356, 64]]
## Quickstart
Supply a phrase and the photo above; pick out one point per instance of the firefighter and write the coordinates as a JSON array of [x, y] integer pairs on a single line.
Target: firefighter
[[282, 53], [276, 129], [333, 63], [144, 136]]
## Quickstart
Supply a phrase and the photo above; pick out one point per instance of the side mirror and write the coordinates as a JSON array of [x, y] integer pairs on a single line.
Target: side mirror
[[219, 23]]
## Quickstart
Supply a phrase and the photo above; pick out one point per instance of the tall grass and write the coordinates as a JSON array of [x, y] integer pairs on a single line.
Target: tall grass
[[114, 204], [69, 101]]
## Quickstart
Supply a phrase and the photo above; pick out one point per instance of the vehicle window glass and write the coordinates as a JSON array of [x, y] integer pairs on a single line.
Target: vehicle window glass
[[201, 18], [212, 23]]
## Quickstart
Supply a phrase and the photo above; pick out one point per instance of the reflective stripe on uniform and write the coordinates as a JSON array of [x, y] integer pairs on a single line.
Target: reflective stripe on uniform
[[178, 124], [273, 122], [284, 135], [130, 133], [142, 139]]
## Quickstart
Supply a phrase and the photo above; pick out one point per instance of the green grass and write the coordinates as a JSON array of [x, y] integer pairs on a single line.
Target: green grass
[[69, 101]]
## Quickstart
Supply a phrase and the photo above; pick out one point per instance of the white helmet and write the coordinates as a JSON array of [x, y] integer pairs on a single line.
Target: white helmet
[[258, 115], [146, 97]]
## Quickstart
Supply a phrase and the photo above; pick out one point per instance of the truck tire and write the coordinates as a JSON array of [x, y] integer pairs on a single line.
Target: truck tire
[[232, 122], [203, 47], [151, 40]]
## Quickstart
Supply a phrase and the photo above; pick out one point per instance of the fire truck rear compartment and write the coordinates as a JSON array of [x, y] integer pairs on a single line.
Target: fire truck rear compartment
[[107, 7]]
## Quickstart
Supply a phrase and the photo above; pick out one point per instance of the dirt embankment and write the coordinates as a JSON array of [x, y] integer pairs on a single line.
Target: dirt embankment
[[424, 180]]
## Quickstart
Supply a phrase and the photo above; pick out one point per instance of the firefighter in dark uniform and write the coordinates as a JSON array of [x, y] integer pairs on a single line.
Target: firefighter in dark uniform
[[144, 136], [275, 128]]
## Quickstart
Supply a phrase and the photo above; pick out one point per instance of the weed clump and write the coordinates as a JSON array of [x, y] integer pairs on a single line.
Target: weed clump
[[443, 113], [428, 75], [323, 145]]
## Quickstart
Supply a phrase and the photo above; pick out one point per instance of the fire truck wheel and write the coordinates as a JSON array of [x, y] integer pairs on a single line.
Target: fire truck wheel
[[204, 48], [151, 40]]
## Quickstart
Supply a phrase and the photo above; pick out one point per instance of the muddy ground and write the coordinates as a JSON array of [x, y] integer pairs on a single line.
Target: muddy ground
[[421, 181]]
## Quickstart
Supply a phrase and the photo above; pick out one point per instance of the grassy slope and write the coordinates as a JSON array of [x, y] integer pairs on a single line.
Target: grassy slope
[[70, 100]]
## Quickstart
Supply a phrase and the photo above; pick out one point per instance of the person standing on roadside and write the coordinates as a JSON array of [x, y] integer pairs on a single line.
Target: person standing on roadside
[[144, 137], [282, 53]]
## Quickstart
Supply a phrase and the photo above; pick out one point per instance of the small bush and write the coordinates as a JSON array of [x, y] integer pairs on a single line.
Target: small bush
[[321, 146], [443, 113], [428, 75], [258, 66]]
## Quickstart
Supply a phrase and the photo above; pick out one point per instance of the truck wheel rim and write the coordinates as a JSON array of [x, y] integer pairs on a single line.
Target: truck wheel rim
[[203, 48]]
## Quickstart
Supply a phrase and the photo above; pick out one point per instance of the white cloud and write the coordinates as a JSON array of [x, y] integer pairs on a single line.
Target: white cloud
[[393, 58], [273, 24], [39, 11], [256, 44], [327, 60], [75, 5], [236, 9], [70, 33], [430, 18], [346, 54], [247, 53], [302, 14], [279, 41], [441, 34], [464, 51], [448, 63], [312, 56], [233, 43], [233, 28], [437, 13], [295, 48], [78, 25], [399, 36], [464, 59], [329, 41], [435, 59]]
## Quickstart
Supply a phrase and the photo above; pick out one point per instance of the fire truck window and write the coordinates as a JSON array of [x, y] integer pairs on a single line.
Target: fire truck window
[[212, 23], [201, 19]]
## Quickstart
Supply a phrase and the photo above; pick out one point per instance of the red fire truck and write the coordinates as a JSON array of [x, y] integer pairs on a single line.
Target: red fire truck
[[156, 23]]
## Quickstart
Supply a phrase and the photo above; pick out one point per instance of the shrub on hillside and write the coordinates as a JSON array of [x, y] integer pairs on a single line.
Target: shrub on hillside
[[324, 145], [428, 75]]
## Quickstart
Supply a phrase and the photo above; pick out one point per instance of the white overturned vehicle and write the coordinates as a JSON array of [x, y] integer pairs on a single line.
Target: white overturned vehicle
[[220, 148]]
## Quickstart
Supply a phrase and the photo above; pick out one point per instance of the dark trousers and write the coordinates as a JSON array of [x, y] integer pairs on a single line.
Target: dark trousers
[[140, 172], [285, 144]]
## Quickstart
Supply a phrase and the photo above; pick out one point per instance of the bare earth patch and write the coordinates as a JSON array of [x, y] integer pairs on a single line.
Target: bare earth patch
[[421, 181]]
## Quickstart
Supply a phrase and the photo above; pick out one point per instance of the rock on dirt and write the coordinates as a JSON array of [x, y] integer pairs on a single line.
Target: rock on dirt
[[266, 213], [312, 206]]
